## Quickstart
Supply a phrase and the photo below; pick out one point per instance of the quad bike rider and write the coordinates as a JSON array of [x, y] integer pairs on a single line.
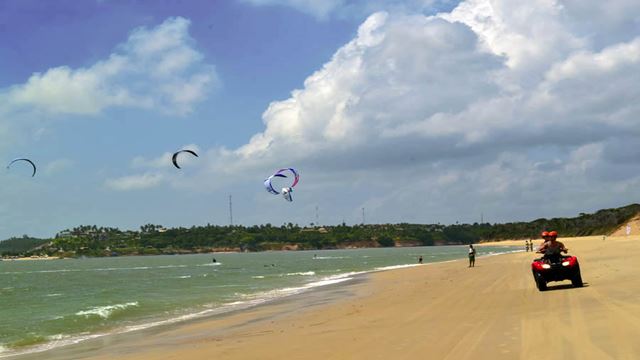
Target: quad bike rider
[[553, 266], [551, 248]]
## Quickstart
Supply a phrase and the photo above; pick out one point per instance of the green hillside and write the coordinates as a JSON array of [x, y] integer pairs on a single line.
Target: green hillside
[[155, 239]]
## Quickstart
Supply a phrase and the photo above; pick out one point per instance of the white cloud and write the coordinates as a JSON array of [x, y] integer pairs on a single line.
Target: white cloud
[[57, 166], [318, 8], [494, 106], [156, 68], [324, 9], [135, 182]]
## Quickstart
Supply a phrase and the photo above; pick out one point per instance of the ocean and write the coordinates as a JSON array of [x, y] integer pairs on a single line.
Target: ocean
[[48, 304]]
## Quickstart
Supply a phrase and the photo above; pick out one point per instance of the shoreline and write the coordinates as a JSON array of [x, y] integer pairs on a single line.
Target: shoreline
[[444, 310], [318, 289], [288, 294]]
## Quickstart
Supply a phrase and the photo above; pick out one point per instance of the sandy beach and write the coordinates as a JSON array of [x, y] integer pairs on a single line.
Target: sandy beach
[[440, 311]]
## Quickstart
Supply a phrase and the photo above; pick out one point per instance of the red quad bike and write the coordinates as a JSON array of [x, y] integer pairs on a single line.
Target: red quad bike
[[556, 268]]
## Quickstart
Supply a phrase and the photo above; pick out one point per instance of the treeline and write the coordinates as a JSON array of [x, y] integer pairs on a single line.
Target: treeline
[[155, 239], [19, 245]]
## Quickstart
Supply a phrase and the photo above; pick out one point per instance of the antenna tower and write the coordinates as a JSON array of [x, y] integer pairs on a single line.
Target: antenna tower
[[230, 211]]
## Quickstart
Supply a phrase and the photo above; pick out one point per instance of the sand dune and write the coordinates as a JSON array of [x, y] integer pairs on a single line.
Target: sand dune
[[634, 224], [443, 311]]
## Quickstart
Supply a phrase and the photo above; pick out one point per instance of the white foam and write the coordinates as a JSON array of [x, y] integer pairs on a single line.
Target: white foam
[[211, 264], [258, 277], [170, 266], [305, 273], [393, 267], [96, 269], [105, 311]]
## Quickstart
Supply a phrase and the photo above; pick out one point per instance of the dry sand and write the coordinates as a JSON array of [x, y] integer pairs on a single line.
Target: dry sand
[[442, 311]]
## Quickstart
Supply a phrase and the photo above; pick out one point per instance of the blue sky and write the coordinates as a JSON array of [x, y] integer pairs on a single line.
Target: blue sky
[[418, 111]]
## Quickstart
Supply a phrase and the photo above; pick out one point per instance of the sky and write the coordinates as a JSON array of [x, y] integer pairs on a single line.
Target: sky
[[419, 111]]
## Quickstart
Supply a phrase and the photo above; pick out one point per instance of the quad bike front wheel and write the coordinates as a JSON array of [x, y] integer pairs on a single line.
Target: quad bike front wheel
[[576, 280], [541, 284]]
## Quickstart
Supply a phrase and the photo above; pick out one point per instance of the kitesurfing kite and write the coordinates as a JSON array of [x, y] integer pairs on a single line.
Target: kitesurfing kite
[[286, 191], [23, 159], [174, 158]]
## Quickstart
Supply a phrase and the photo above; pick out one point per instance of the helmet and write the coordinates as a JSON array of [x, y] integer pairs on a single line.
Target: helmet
[[553, 234], [544, 234]]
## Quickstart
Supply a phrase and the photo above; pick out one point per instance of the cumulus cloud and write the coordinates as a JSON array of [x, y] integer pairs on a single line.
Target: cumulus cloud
[[496, 103], [156, 68]]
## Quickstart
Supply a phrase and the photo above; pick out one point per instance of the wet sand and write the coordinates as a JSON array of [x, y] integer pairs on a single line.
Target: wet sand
[[441, 311]]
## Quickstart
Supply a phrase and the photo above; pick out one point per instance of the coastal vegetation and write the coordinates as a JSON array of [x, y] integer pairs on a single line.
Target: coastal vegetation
[[154, 239]]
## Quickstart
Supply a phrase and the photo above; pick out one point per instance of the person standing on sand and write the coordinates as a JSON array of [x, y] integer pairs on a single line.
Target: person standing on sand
[[472, 256]]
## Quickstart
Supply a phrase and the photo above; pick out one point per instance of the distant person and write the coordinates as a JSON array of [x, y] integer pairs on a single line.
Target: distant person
[[420, 260], [526, 245], [214, 260], [472, 256]]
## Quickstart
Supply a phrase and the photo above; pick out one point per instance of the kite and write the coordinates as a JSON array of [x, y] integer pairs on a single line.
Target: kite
[[286, 191], [174, 158], [23, 159]]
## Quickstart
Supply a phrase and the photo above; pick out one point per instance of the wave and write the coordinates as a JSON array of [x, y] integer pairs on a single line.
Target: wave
[[105, 311], [491, 253], [393, 267], [97, 269], [304, 273]]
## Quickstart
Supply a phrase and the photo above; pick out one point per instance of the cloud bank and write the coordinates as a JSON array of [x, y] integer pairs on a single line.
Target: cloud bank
[[515, 108]]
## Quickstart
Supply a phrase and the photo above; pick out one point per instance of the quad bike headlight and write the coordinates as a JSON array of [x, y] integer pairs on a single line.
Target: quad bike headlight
[[565, 263], [546, 266]]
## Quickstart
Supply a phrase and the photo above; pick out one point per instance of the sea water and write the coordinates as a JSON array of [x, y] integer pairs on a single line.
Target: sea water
[[47, 304]]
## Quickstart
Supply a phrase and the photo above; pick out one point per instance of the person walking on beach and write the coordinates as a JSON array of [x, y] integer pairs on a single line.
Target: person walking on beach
[[420, 260], [472, 256]]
